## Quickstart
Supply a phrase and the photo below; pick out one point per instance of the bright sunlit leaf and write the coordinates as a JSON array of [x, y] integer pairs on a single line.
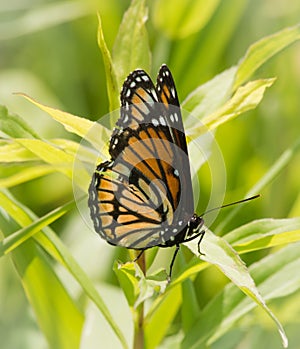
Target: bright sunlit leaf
[[72, 123], [206, 98], [264, 233], [219, 253], [17, 153], [59, 159], [246, 98]]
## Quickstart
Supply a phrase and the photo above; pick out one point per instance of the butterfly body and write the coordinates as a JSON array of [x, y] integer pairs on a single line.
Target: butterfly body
[[143, 196]]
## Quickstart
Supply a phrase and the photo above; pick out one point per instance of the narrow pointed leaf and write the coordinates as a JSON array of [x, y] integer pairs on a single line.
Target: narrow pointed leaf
[[25, 175], [54, 156], [131, 48], [263, 50], [17, 153], [264, 233], [91, 131], [206, 98], [16, 239], [54, 246], [111, 79], [44, 290], [246, 98], [272, 275], [219, 253], [14, 126]]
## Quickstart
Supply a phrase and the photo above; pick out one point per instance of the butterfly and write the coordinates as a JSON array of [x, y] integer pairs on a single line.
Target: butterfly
[[142, 197]]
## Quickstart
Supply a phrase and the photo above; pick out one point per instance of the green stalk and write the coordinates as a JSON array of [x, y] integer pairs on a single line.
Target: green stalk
[[139, 313]]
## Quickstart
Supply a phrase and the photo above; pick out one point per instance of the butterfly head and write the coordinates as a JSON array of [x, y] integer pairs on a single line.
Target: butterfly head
[[194, 225]]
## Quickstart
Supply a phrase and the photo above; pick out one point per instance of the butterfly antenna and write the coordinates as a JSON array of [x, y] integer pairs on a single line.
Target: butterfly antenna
[[231, 204]]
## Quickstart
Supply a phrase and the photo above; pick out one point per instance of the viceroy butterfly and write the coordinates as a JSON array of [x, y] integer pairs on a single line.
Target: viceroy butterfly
[[143, 196]]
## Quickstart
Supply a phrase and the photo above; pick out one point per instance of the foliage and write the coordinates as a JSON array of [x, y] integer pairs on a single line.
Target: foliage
[[39, 171]]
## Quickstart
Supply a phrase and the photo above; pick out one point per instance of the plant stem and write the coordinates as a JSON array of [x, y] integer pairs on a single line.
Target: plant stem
[[139, 319]]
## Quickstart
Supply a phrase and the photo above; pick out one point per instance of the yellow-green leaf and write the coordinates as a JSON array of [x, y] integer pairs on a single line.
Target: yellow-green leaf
[[56, 312], [111, 80], [263, 50], [246, 98], [219, 253], [59, 159], [131, 48]]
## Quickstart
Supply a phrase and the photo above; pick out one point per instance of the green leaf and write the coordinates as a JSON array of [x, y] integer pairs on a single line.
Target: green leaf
[[82, 127], [16, 239], [16, 152], [111, 79], [187, 18], [44, 290], [161, 315], [52, 155], [131, 48], [263, 50], [128, 275], [219, 253], [54, 247], [190, 307], [246, 98], [25, 175], [264, 233], [206, 98], [272, 275], [14, 126], [136, 286]]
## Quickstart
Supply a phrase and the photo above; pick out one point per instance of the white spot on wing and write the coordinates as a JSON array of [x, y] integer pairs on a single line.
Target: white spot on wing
[[125, 120], [155, 122], [162, 121], [172, 92]]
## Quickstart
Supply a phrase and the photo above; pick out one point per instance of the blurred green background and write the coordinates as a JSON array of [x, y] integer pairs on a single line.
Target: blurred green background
[[49, 51]]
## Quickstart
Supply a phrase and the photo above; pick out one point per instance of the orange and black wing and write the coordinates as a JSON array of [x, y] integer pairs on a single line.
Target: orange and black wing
[[142, 197]]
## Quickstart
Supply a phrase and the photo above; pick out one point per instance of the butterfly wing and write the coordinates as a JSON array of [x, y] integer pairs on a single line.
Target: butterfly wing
[[137, 199]]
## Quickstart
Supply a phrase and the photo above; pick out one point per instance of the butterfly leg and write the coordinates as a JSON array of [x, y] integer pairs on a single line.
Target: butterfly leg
[[139, 255], [200, 235], [172, 263]]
